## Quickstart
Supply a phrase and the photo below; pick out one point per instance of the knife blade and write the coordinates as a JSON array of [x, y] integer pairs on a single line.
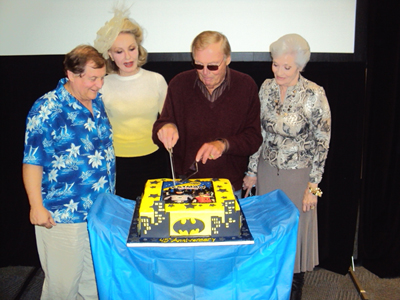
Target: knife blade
[[193, 169], [172, 165]]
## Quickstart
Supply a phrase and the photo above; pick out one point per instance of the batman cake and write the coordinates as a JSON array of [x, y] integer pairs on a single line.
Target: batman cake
[[195, 208]]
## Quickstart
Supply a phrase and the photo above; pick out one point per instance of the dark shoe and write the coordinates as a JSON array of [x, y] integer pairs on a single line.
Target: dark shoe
[[297, 286]]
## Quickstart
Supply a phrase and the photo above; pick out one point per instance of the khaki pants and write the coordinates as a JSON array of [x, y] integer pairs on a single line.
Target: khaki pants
[[66, 260]]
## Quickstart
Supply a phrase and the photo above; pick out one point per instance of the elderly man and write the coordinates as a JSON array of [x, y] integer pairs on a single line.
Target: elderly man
[[68, 160], [211, 114]]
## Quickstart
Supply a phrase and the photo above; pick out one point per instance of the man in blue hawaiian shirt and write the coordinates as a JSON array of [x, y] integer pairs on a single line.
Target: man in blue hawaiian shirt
[[68, 161]]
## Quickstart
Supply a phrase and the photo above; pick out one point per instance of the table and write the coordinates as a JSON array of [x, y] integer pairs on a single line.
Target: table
[[263, 270]]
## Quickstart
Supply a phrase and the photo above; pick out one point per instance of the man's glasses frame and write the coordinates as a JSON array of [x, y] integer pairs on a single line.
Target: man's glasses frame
[[209, 67]]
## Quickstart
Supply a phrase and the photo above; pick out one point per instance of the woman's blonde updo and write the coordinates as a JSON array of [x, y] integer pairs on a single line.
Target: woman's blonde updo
[[120, 23]]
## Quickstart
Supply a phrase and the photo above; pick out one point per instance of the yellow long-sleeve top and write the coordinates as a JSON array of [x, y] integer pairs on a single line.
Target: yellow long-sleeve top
[[132, 104]]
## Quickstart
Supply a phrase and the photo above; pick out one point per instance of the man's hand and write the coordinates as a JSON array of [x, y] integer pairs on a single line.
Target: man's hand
[[212, 150], [41, 216], [32, 177], [168, 135]]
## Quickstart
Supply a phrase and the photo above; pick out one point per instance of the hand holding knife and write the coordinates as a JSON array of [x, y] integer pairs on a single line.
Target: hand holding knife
[[192, 170]]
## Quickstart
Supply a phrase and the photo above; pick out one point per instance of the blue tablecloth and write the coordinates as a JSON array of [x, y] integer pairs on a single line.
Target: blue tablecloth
[[263, 270]]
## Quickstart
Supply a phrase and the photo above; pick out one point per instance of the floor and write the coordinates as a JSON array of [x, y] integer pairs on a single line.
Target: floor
[[25, 283]]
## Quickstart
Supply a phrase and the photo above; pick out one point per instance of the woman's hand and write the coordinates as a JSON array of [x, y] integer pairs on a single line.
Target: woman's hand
[[309, 199], [248, 183]]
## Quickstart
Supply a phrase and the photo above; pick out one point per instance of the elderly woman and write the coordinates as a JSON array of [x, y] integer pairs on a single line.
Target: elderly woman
[[296, 125], [133, 98]]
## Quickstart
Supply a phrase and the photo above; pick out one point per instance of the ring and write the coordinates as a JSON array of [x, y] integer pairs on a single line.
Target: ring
[[211, 156], [312, 207]]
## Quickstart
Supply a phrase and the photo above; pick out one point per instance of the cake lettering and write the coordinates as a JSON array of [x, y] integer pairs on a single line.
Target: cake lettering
[[187, 240]]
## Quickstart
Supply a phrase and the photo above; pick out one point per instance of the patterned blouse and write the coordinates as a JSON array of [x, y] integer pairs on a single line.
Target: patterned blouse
[[75, 150], [296, 134]]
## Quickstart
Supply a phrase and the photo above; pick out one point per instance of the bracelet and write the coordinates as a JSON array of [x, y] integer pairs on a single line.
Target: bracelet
[[250, 174], [317, 191]]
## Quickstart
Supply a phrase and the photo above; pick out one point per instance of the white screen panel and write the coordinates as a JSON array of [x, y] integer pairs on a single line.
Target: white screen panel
[[31, 27]]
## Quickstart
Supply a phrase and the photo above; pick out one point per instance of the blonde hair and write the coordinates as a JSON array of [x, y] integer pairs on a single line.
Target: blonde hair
[[106, 35], [292, 44]]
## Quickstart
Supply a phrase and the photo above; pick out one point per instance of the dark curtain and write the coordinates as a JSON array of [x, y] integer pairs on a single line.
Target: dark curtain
[[341, 183], [22, 81], [344, 86], [379, 233]]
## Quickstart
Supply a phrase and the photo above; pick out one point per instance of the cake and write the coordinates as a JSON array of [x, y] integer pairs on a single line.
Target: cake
[[192, 208]]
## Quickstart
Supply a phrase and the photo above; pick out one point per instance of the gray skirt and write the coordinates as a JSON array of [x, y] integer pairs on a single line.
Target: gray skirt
[[293, 183]]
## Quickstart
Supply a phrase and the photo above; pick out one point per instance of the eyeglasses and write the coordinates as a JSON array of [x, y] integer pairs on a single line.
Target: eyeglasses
[[209, 67]]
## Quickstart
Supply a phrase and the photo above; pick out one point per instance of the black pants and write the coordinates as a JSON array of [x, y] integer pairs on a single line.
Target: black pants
[[133, 172]]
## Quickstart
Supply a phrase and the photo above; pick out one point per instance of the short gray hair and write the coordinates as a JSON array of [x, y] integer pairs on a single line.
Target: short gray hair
[[292, 44]]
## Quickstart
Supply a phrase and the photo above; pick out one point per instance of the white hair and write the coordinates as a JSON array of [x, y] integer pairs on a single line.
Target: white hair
[[292, 44]]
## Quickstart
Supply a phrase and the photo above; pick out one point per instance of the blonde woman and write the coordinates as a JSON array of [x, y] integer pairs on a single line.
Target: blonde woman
[[133, 98]]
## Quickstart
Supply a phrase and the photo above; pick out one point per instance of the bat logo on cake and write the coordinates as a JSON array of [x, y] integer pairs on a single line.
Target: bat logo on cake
[[188, 226]]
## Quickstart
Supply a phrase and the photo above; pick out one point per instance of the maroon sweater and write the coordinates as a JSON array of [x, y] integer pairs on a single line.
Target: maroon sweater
[[235, 116]]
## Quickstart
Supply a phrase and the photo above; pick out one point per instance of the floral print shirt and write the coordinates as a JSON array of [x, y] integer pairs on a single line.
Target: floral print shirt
[[296, 134], [75, 150]]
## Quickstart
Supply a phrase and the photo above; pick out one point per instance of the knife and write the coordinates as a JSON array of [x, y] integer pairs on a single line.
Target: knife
[[172, 165], [192, 170]]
